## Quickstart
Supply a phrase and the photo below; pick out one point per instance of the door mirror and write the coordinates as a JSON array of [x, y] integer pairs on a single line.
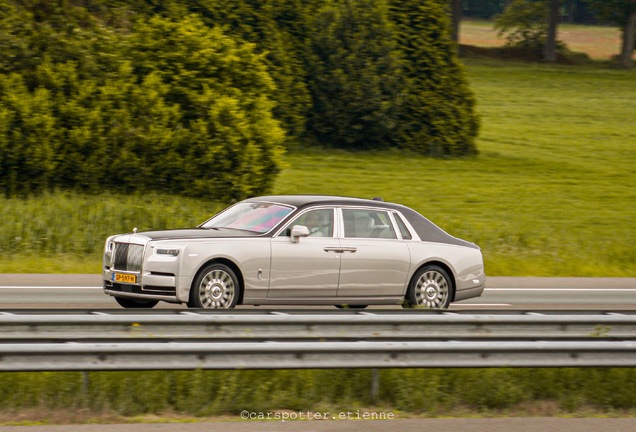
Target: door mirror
[[299, 231]]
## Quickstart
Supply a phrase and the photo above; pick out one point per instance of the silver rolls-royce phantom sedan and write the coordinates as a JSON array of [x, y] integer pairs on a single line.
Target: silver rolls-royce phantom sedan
[[296, 249]]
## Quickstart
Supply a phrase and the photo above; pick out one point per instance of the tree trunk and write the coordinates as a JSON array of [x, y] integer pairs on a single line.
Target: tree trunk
[[549, 52], [629, 33], [456, 14]]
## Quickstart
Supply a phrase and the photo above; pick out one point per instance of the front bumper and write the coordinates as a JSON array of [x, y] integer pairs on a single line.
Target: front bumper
[[150, 286]]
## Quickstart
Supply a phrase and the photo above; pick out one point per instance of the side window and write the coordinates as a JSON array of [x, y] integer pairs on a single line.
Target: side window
[[367, 224], [319, 223], [406, 235]]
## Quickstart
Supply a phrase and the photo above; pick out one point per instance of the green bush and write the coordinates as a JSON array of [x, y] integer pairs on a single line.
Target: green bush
[[171, 105]]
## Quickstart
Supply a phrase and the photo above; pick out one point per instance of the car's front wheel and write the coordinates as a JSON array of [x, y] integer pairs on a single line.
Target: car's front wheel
[[215, 287], [129, 303], [431, 288]]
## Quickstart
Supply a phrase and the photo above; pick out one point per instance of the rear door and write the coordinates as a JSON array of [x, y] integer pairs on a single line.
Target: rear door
[[375, 261]]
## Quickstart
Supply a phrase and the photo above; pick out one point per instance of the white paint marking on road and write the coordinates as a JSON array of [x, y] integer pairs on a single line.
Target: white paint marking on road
[[49, 287], [480, 304], [564, 289]]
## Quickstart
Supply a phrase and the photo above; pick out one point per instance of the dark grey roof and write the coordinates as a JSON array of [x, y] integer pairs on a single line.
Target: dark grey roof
[[304, 200], [426, 229]]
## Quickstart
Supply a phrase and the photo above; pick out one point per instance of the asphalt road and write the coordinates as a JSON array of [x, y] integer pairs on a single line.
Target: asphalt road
[[533, 424], [80, 291]]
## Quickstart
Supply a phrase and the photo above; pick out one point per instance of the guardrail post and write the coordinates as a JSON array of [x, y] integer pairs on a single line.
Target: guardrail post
[[85, 383], [375, 385]]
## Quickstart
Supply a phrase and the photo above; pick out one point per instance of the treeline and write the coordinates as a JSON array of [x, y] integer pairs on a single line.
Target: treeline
[[571, 11], [202, 98]]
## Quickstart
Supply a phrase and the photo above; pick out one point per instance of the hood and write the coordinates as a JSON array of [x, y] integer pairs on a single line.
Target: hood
[[194, 233]]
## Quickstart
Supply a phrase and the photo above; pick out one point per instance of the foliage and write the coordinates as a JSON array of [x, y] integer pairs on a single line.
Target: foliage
[[354, 75], [437, 116], [623, 13], [232, 143], [615, 11], [27, 130], [524, 23], [575, 11], [201, 98], [271, 25], [484, 9], [172, 106]]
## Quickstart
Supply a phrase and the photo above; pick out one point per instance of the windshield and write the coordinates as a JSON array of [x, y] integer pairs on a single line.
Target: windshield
[[256, 217]]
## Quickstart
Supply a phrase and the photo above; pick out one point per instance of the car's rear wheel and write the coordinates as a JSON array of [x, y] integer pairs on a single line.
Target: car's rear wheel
[[430, 288], [130, 303], [215, 287]]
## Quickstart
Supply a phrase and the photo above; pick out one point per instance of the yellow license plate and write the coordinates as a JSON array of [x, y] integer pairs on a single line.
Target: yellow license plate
[[126, 278]]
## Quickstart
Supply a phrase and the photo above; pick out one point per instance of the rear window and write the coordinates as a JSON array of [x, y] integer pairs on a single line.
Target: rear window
[[406, 234]]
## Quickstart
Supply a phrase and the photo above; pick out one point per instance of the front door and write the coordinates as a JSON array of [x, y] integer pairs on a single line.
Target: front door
[[309, 267]]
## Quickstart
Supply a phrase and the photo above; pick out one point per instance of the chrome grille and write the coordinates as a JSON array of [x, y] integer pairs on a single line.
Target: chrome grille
[[127, 256]]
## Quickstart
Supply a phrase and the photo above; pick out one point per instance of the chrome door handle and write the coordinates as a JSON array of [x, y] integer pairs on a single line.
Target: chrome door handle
[[334, 249], [341, 249]]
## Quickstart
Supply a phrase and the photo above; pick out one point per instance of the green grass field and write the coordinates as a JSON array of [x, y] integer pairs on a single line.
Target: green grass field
[[550, 194]]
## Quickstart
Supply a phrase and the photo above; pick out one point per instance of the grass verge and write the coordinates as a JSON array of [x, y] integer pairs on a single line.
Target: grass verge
[[62, 397]]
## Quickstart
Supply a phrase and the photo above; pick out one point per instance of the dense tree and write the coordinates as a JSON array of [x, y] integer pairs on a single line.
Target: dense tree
[[622, 13], [484, 9], [531, 24], [353, 73], [201, 97], [170, 105], [438, 115], [263, 23], [224, 91], [524, 24]]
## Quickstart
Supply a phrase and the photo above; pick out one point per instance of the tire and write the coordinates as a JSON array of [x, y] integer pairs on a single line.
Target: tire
[[130, 303], [430, 288], [215, 287]]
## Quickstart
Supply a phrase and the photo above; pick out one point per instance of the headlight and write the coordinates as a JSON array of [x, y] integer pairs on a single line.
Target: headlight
[[108, 246], [171, 252]]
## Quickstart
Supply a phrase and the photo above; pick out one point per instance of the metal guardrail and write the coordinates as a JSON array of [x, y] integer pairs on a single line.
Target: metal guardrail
[[144, 340]]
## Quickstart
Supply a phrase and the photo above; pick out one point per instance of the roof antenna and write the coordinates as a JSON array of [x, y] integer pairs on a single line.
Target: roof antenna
[[377, 199]]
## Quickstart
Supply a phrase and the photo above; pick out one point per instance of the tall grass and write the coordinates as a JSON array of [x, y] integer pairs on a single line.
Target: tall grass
[[65, 232], [431, 392]]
